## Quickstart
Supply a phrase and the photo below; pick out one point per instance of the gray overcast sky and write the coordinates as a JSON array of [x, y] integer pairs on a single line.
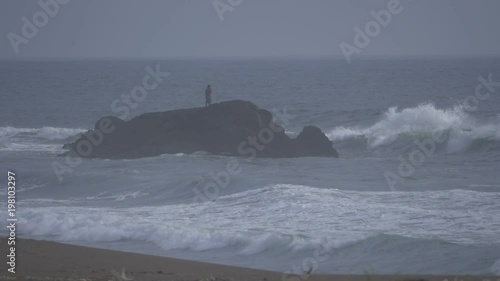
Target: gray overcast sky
[[159, 28]]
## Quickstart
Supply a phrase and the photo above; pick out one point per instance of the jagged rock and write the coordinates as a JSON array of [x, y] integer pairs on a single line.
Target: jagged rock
[[313, 142], [237, 128]]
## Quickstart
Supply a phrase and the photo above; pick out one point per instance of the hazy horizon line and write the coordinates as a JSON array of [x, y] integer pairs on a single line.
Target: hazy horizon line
[[332, 57]]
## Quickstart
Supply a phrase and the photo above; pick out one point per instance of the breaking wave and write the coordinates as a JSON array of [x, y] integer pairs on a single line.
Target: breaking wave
[[35, 139], [47, 133], [457, 128], [262, 222]]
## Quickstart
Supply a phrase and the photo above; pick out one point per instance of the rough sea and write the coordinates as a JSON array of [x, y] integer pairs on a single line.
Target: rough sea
[[416, 188]]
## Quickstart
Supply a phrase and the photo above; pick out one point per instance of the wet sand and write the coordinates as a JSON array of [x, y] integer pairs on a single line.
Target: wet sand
[[44, 260]]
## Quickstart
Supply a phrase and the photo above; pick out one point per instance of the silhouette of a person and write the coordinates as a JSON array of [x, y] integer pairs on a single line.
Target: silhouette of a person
[[208, 96]]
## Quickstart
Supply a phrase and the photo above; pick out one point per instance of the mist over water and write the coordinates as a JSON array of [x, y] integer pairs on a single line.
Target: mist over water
[[443, 219]]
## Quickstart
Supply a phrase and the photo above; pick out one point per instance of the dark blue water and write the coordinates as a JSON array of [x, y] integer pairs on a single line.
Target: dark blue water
[[441, 217]]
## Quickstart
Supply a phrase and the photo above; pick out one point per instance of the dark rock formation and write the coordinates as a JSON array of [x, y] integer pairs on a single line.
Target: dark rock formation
[[237, 128]]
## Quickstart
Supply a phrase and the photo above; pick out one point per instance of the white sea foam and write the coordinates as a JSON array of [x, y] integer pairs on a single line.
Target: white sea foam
[[121, 196], [422, 120], [278, 217], [47, 133], [55, 148], [289, 221], [35, 139]]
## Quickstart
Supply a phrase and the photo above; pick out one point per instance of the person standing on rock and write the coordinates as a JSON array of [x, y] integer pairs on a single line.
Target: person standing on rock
[[208, 96]]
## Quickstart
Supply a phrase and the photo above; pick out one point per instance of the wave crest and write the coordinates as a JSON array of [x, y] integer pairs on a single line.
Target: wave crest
[[35, 139], [419, 122], [47, 133]]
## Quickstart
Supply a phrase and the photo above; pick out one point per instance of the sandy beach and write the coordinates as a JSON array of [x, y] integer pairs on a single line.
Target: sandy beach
[[44, 260]]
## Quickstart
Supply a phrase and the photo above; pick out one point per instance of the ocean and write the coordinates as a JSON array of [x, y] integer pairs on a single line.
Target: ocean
[[398, 200]]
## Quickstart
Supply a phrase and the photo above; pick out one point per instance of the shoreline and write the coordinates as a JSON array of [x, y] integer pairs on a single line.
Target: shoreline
[[46, 260]]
